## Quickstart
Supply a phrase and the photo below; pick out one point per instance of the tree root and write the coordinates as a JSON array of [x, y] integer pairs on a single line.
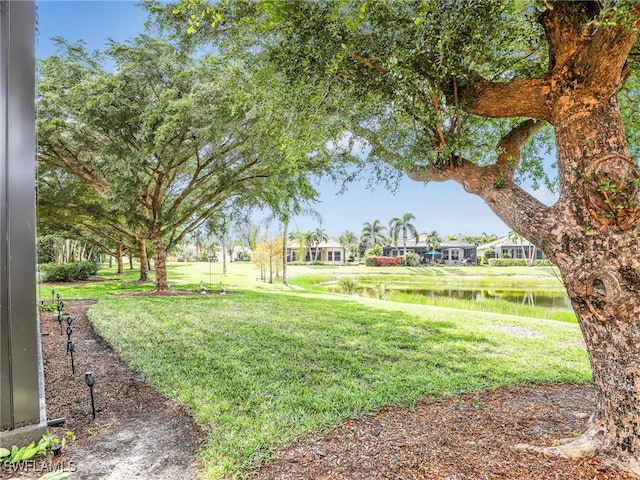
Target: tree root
[[590, 444]]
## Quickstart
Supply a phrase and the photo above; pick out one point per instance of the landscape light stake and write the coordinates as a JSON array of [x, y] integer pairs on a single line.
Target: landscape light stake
[[69, 332], [60, 321], [57, 450], [90, 379], [53, 292], [70, 349]]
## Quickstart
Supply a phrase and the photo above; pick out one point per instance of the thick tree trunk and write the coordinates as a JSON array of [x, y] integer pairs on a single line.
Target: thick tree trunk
[[160, 260], [144, 262], [595, 245]]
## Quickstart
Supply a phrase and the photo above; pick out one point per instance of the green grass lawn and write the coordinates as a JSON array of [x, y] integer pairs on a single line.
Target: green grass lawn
[[265, 364]]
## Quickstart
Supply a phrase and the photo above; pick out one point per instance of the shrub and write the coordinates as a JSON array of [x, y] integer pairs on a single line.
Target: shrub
[[412, 259], [379, 290], [375, 251], [68, 272], [387, 261], [487, 255], [348, 285], [517, 262]]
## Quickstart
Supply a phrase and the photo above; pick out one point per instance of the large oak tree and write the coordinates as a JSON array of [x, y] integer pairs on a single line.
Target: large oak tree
[[165, 140], [468, 91]]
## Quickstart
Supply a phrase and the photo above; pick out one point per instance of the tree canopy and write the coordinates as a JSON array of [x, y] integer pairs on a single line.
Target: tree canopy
[[165, 140], [477, 93]]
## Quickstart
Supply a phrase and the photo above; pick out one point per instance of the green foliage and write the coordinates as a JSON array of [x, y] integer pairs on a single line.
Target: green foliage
[[164, 141], [20, 454], [487, 255], [46, 249], [375, 251], [68, 272], [379, 290], [395, 65], [412, 259], [348, 285], [516, 262]]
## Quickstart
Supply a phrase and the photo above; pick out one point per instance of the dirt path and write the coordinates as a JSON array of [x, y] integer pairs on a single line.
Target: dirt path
[[137, 433]]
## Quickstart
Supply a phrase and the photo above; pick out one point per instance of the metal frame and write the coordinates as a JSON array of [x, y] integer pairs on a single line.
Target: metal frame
[[22, 412]]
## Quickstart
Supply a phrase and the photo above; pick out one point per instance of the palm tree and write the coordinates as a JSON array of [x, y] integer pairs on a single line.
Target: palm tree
[[349, 241], [299, 238], [515, 237], [472, 240], [487, 238], [373, 233], [405, 226], [285, 210], [394, 232], [432, 241], [307, 238], [318, 236]]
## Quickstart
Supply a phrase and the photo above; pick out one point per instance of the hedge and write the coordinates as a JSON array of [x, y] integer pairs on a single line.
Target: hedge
[[68, 272], [517, 262], [387, 261]]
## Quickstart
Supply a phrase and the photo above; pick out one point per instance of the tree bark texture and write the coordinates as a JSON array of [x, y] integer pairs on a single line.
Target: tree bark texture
[[160, 260], [120, 261], [591, 233], [142, 252]]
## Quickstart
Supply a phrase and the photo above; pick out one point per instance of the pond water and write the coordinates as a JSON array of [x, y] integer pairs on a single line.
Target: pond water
[[524, 297], [539, 298]]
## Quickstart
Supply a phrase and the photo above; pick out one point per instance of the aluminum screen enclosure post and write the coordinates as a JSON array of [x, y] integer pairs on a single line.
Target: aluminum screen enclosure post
[[22, 412]]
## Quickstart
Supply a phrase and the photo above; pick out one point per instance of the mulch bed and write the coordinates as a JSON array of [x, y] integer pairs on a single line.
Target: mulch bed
[[138, 434], [467, 437]]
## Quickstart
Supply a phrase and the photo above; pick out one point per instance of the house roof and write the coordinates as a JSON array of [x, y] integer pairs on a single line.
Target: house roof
[[504, 242], [327, 244]]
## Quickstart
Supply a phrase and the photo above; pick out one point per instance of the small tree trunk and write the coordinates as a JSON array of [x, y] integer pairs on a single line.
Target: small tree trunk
[[224, 258], [160, 260], [144, 261], [120, 262], [284, 253]]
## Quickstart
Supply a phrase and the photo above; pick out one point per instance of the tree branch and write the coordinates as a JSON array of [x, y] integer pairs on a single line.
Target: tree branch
[[521, 97]]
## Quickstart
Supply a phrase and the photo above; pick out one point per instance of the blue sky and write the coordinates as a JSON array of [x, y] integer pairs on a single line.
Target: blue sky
[[444, 207]]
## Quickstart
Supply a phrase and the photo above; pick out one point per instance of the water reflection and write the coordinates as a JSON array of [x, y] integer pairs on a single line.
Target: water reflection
[[524, 297]]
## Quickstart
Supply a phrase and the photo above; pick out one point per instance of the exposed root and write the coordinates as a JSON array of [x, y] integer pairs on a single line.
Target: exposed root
[[590, 444], [584, 446]]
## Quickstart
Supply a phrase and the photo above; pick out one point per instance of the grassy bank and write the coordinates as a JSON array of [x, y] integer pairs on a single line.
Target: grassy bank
[[265, 364]]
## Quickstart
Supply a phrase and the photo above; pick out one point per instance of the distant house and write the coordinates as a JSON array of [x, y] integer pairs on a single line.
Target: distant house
[[505, 245], [449, 252], [326, 252]]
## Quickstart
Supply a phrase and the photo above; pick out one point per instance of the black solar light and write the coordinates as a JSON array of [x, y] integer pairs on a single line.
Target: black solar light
[[90, 379], [53, 292], [60, 322], [69, 332], [70, 348]]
